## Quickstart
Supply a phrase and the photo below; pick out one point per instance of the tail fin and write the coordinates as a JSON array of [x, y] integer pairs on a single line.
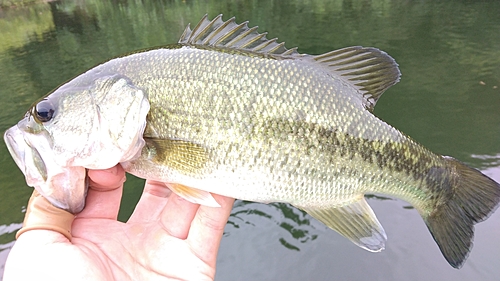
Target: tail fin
[[473, 197]]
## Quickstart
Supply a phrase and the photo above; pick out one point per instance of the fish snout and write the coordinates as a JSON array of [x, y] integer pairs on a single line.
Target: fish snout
[[65, 188], [16, 145]]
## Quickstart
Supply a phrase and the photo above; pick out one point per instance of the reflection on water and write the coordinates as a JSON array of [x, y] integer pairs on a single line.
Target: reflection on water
[[448, 52], [294, 221], [488, 160]]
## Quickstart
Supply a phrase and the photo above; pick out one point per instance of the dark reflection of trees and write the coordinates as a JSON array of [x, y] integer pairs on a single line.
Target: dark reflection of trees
[[36, 59], [377, 196], [75, 21], [381, 197]]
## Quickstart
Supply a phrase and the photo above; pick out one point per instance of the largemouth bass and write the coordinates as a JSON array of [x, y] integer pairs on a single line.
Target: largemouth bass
[[227, 111]]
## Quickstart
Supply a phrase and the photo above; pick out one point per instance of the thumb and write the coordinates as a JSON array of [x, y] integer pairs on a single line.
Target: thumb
[[42, 215]]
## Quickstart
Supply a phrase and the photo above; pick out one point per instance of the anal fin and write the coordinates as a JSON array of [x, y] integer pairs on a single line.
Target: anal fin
[[355, 221], [193, 195]]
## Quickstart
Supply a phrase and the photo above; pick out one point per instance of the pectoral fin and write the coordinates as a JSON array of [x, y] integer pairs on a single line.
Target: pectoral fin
[[355, 221], [193, 195], [183, 156]]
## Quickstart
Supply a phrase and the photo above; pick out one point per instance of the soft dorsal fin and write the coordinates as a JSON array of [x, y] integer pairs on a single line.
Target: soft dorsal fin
[[370, 70], [228, 34]]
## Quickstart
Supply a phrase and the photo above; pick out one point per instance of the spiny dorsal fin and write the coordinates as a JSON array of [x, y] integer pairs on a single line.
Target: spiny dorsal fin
[[369, 70], [228, 34]]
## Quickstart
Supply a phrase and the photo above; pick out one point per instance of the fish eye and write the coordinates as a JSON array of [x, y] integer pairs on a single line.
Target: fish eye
[[44, 111]]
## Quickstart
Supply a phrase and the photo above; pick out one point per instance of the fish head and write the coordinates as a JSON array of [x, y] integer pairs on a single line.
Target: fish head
[[84, 124]]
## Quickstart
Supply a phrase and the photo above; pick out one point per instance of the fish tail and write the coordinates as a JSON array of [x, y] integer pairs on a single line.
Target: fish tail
[[470, 198]]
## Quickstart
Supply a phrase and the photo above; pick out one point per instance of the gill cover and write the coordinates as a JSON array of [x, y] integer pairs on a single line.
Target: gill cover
[[95, 123]]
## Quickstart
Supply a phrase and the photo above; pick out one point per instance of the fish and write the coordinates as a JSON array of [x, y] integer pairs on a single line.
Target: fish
[[228, 111]]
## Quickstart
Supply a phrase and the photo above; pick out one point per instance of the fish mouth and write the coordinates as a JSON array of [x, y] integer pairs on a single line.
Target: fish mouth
[[27, 157], [16, 145], [64, 187]]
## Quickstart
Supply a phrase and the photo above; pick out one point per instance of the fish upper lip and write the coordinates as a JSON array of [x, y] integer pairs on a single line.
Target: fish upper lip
[[12, 137]]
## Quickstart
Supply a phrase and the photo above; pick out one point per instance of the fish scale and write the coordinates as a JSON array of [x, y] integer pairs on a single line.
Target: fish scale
[[228, 111]]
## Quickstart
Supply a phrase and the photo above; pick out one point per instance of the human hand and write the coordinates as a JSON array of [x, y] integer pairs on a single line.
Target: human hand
[[166, 238]]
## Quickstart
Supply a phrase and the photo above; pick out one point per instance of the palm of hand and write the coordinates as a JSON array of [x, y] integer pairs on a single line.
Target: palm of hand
[[165, 238]]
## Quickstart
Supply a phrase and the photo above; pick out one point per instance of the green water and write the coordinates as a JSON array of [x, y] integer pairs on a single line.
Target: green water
[[448, 100]]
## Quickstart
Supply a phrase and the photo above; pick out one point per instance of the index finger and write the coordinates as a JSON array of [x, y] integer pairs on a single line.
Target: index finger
[[207, 229]]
